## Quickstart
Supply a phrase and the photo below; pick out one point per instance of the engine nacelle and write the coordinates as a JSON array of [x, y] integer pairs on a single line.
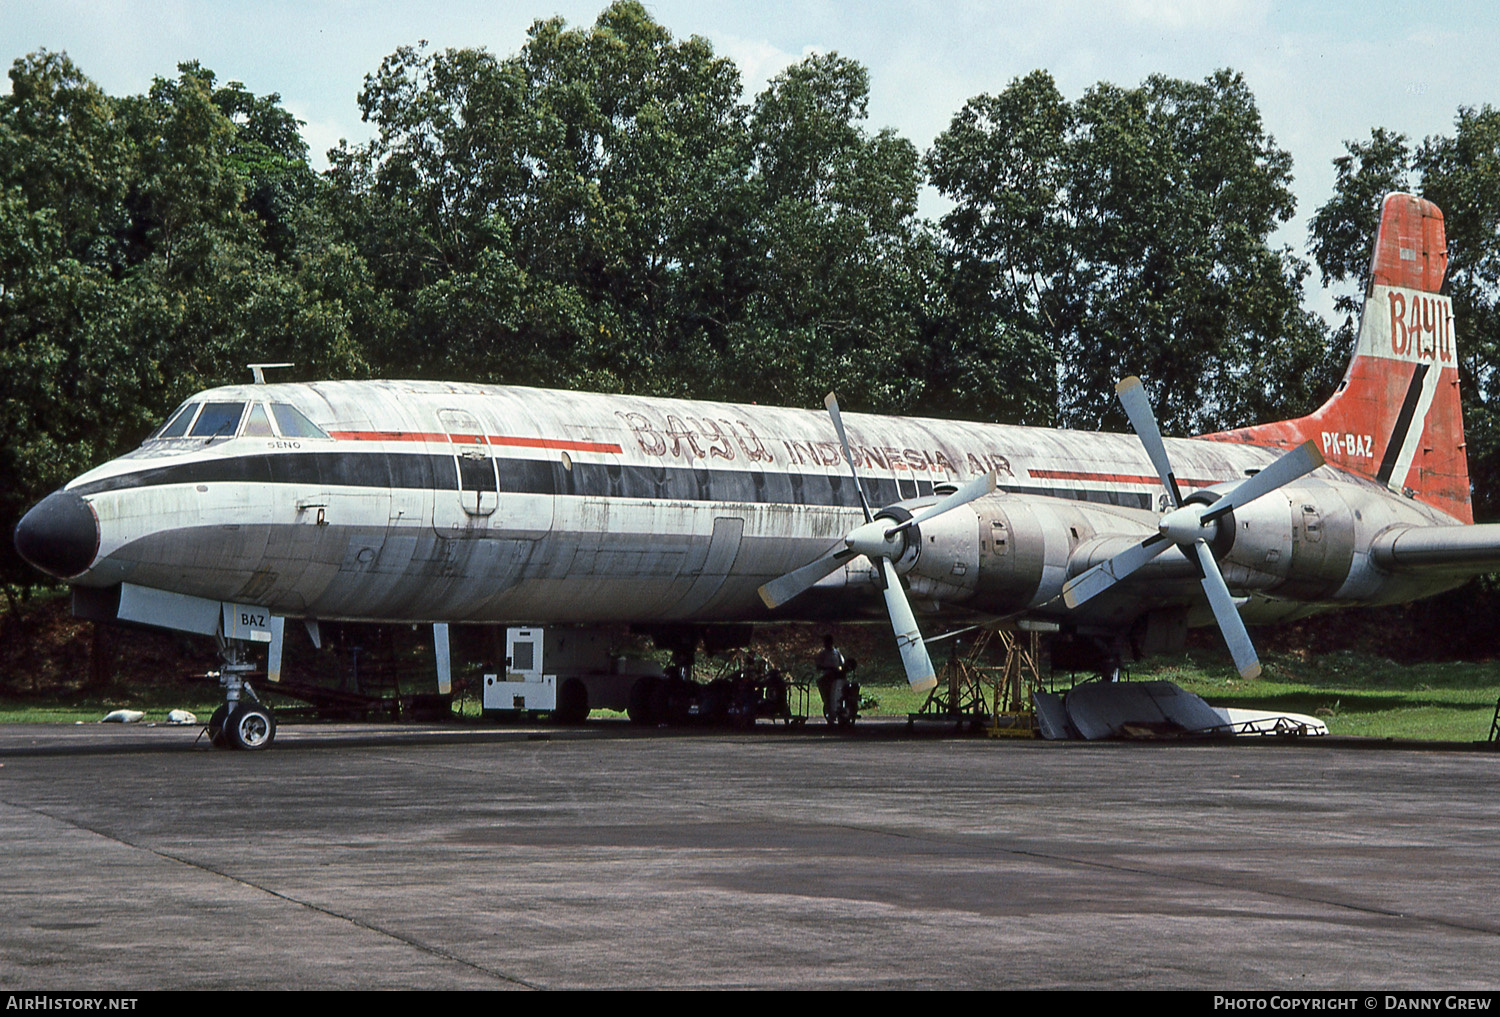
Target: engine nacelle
[[1299, 540], [1027, 546], [1005, 553], [941, 561]]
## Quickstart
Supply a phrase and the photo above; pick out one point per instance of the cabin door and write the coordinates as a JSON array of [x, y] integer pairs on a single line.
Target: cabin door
[[473, 462]]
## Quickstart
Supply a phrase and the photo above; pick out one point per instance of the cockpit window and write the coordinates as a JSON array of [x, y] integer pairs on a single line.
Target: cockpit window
[[293, 424], [218, 420], [258, 424], [223, 420], [177, 425]]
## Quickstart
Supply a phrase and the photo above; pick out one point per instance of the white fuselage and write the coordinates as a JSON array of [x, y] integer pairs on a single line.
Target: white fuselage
[[457, 502]]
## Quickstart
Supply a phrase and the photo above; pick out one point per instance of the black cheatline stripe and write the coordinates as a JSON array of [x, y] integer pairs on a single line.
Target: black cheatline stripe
[[416, 471], [1403, 424], [1096, 496]]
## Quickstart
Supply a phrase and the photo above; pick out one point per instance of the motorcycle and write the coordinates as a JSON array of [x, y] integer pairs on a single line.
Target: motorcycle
[[841, 694]]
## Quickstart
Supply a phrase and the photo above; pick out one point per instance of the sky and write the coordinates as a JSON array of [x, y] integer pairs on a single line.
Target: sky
[[1322, 73]]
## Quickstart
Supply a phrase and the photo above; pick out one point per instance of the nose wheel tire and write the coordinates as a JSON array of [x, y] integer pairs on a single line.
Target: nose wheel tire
[[250, 726]]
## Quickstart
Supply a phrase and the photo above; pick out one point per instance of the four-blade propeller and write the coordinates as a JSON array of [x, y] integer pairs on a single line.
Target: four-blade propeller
[[883, 541], [1190, 526]]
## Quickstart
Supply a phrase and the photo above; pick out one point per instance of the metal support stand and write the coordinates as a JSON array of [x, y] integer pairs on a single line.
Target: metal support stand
[[1008, 709], [958, 698], [1019, 676]]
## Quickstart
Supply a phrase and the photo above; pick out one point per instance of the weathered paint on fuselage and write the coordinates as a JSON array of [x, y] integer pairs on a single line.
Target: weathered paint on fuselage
[[454, 502]]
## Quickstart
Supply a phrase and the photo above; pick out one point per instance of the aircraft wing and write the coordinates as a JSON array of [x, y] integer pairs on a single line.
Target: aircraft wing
[[1468, 550]]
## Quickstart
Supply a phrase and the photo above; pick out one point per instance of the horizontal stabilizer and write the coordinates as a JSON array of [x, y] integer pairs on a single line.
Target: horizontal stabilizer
[[1470, 550]]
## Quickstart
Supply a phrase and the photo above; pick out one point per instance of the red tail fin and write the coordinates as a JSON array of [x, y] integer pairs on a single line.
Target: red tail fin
[[1396, 416]]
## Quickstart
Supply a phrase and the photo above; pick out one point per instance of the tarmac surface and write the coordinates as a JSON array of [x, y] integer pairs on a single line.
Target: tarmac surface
[[379, 856]]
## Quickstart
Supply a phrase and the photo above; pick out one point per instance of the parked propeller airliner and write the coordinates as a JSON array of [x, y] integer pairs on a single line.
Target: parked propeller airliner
[[443, 503]]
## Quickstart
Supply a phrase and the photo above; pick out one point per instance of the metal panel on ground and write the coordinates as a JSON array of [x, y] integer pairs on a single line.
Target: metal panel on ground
[[1106, 709]]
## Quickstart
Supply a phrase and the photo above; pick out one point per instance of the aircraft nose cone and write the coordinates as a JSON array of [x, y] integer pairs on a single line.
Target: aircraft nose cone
[[60, 535]]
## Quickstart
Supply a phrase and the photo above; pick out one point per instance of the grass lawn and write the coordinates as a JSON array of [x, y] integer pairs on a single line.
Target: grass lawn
[[1354, 694], [155, 703]]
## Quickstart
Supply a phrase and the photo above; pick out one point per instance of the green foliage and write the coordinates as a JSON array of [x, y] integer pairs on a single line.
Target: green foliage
[[1129, 233], [1343, 229], [604, 209], [1462, 175], [839, 288], [601, 210], [149, 247]]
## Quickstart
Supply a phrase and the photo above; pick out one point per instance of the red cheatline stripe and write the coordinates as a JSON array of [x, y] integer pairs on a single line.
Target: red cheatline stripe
[[1113, 478], [556, 443], [562, 444]]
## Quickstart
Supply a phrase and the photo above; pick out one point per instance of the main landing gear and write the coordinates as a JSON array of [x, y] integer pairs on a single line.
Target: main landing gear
[[243, 722]]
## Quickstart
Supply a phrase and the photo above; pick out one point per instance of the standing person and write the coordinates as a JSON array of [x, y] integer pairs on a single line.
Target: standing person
[[830, 665]]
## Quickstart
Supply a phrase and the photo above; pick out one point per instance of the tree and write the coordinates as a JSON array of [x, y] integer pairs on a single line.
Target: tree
[[1342, 231], [135, 268], [840, 265], [1129, 232], [572, 203], [1002, 161], [61, 225], [601, 210]]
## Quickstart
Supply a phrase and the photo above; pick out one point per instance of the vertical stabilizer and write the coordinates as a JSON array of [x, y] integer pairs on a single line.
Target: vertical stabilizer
[[1396, 416]]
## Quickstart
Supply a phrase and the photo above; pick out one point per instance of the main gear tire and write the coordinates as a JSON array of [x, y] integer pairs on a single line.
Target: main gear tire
[[216, 727], [572, 703]]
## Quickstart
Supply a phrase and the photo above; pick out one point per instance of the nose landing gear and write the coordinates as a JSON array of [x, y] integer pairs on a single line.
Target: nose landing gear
[[241, 723]]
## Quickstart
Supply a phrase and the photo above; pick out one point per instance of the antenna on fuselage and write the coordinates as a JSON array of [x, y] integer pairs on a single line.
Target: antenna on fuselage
[[258, 371]]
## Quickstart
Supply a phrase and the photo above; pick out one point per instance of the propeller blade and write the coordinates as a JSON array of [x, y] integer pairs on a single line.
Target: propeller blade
[[1137, 407], [838, 425], [976, 488], [1299, 462], [1087, 585], [1227, 615], [919, 670], [782, 589]]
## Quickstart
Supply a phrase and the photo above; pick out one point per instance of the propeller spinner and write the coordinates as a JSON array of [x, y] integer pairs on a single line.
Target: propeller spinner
[[1190, 526], [882, 540]]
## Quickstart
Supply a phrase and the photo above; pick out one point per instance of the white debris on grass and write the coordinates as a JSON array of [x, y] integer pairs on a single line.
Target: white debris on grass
[[123, 717]]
